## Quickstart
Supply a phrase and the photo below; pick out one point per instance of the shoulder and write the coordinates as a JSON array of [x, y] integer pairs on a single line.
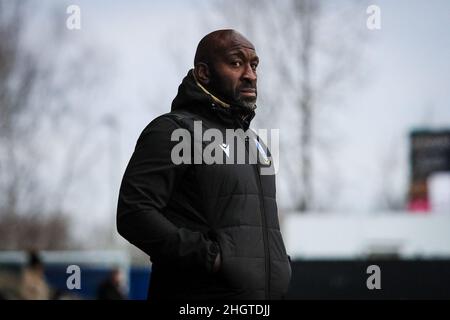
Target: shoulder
[[160, 129], [174, 119], [171, 121]]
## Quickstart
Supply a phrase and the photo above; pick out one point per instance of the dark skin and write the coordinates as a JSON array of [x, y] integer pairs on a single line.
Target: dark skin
[[226, 64]]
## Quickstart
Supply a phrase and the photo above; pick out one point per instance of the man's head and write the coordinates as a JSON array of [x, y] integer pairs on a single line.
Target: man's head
[[225, 63], [34, 261]]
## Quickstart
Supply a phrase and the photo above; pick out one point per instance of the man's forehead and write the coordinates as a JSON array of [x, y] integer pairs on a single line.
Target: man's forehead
[[235, 41], [237, 48], [222, 43], [241, 51]]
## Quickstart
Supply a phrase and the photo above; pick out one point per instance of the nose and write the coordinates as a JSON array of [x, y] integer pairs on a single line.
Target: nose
[[249, 74]]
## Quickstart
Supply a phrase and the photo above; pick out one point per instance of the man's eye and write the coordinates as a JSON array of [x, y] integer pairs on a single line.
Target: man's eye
[[254, 66], [236, 63]]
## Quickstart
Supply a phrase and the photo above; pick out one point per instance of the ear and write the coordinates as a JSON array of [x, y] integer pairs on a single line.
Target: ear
[[202, 73]]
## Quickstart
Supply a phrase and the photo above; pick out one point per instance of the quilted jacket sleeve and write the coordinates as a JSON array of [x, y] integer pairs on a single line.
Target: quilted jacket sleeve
[[146, 188]]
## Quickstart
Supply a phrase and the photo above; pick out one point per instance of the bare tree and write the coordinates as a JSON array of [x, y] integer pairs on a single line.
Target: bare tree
[[16, 80], [43, 128], [310, 51], [391, 192]]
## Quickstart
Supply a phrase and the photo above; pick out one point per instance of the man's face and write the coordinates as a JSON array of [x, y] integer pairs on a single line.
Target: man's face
[[233, 72]]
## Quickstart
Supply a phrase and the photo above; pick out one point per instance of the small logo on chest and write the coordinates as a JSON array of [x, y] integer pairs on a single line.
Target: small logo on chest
[[226, 148], [262, 152]]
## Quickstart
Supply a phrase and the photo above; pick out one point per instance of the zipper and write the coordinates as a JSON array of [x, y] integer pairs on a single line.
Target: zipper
[[264, 224]]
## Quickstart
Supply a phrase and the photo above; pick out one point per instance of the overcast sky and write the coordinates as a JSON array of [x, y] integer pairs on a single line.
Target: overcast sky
[[404, 84]]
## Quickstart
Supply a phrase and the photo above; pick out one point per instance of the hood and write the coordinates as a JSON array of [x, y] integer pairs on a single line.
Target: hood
[[196, 99]]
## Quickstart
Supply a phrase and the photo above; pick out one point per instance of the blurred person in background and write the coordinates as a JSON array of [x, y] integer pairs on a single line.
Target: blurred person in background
[[112, 287], [211, 230], [33, 285]]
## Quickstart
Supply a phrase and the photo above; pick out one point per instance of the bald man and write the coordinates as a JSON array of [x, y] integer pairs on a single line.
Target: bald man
[[210, 228]]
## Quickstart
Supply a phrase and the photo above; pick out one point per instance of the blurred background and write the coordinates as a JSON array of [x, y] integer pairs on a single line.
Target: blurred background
[[360, 94]]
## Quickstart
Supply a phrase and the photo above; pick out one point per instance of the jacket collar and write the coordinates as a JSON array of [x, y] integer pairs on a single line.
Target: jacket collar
[[216, 100], [193, 97]]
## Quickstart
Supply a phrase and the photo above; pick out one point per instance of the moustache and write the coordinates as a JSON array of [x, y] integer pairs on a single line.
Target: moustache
[[247, 87]]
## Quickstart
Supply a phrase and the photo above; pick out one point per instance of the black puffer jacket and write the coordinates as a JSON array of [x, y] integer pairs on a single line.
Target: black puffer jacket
[[183, 215]]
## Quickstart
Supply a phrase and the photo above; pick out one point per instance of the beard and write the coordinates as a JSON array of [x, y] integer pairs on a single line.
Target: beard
[[248, 104], [230, 95]]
